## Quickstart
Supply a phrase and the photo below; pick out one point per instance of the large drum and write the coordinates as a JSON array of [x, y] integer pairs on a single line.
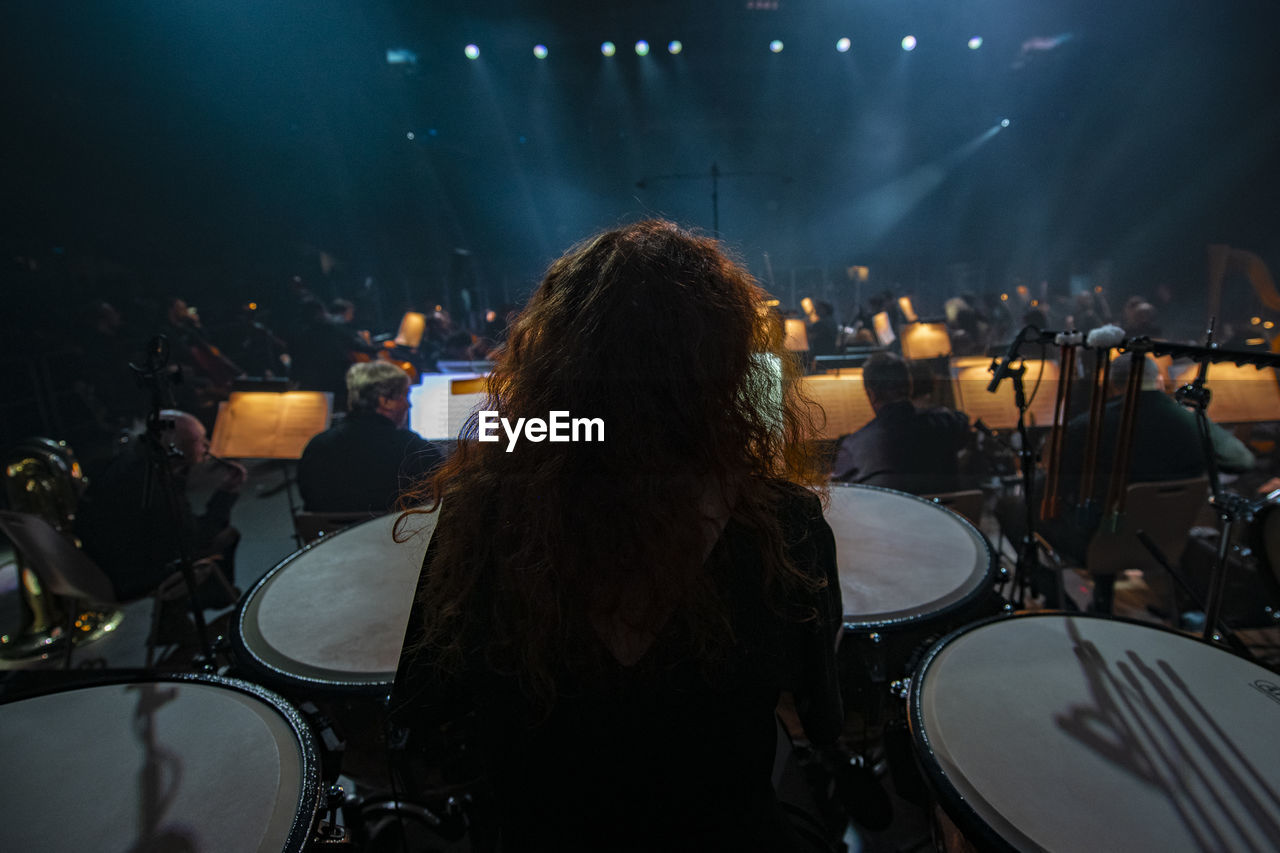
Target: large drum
[[910, 569], [326, 625], [1070, 732], [180, 763]]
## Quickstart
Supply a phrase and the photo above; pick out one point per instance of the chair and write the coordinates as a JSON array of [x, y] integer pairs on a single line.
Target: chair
[[310, 526], [61, 567], [1165, 512], [968, 503]]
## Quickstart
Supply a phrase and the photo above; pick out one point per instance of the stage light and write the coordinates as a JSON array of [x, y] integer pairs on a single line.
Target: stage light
[[674, 47], [975, 42], [1257, 321], [540, 51], [909, 43], [642, 48], [775, 46], [608, 48], [1004, 122], [843, 45], [409, 136], [471, 51]]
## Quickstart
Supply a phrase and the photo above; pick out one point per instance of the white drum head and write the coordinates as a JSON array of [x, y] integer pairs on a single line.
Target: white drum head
[[902, 558], [335, 612], [228, 769], [1072, 733]]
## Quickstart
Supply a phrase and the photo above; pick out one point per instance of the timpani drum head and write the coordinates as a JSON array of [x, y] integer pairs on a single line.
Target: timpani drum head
[[334, 613], [904, 559], [1064, 733], [185, 763]]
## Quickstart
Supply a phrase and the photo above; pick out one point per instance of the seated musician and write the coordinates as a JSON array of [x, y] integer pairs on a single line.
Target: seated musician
[[1166, 446], [364, 462], [126, 525], [902, 447], [618, 618]]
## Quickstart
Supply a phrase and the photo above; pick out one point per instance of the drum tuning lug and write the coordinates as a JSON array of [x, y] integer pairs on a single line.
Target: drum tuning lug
[[900, 687]]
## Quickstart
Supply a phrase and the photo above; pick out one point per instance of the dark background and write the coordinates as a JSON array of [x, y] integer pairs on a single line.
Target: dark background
[[219, 147]]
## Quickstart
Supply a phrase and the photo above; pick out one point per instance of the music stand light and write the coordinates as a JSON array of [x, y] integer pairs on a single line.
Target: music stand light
[[797, 335], [412, 327], [925, 340]]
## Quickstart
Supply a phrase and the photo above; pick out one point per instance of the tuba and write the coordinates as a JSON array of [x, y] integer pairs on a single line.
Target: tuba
[[42, 477]]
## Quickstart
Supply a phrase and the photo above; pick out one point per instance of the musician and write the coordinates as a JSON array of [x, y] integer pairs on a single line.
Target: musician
[[902, 447], [367, 459], [127, 527], [619, 617]]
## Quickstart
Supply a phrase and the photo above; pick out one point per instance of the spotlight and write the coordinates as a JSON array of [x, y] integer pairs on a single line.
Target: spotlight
[[1004, 122], [642, 48], [775, 46], [471, 51], [674, 47], [975, 42], [608, 48], [909, 43], [843, 45], [540, 51]]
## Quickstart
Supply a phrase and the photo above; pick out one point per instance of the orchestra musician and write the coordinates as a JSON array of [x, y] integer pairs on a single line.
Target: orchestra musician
[[618, 619]]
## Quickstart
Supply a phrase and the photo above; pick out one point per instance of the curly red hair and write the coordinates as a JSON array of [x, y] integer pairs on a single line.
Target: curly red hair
[[660, 334]]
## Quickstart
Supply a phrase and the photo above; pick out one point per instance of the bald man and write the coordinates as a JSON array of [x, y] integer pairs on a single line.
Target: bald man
[[134, 537]]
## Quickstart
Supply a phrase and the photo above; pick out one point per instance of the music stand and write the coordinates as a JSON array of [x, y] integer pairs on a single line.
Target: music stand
[[922, 341], [842, 398], [999, 410], [412, 327], [797, 335], [440, 404], [267, 425]]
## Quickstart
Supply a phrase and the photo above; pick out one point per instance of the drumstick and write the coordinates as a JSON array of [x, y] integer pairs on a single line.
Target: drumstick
[[1102, 339], [1061, 407], [1124, 443]]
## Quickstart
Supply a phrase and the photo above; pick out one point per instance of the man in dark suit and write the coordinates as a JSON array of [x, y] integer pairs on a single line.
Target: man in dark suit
[[366, 460], [902, 447]]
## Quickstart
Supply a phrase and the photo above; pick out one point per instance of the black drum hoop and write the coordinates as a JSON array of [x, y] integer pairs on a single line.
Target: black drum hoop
[[985, 587], [957, 808], [304, 820], [286, 680]]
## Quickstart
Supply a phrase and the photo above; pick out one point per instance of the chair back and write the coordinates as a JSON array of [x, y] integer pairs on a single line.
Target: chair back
[[310, 526], [968, 503], [63, 568], [1164, 511]]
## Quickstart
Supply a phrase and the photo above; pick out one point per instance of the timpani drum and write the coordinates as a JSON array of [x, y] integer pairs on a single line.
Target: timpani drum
[[326, 625], [910, 569], [1071, 732], [177, 763]]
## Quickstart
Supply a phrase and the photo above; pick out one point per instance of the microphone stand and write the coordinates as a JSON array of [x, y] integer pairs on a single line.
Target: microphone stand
[[154, 375], [1028, 558], [1230, 507]]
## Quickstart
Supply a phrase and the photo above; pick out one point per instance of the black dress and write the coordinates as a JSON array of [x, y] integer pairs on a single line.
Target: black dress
[[664, 754]]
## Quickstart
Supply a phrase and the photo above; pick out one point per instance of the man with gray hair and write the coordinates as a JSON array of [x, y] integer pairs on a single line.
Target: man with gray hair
[[364, 461]]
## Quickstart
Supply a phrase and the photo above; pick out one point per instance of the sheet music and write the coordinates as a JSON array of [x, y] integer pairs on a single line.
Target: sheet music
[[441, 403], [843, 399], [970, 377], [925, 340], [269, 425]]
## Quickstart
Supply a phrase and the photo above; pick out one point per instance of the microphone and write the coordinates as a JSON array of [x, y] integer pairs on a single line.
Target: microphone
[[1001, 369]]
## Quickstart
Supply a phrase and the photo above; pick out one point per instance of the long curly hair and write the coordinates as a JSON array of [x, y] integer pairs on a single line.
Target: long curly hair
[[659, 334]]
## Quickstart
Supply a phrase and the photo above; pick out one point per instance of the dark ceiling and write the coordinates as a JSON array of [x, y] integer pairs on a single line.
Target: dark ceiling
[[236, 139]]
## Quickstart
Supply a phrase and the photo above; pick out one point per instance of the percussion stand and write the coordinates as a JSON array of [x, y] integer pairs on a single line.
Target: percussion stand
[[153, 374], [1230, 507]]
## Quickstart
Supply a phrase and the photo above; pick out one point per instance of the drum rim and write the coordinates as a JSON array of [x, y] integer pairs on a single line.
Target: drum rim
[[351, 684], [948, 796], [304, 819], [984, 586]]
